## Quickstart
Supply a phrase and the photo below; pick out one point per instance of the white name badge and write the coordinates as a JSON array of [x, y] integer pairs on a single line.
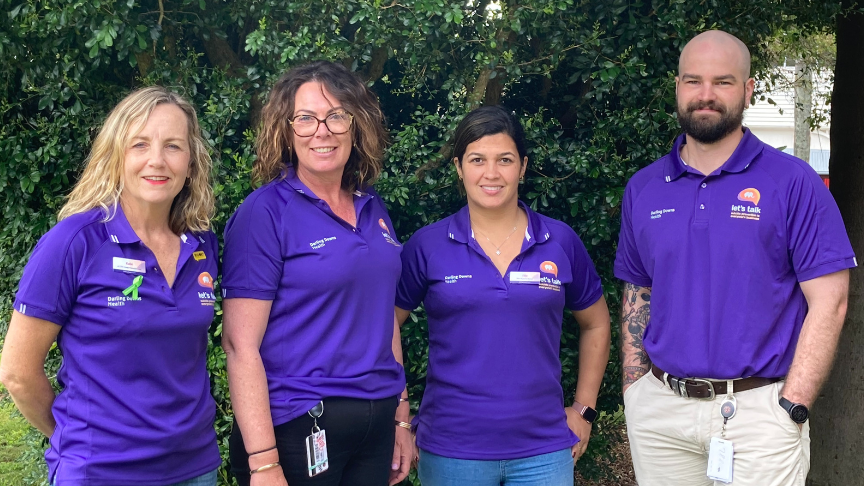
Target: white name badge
[[129, 265], [720, 460], [525, 277]]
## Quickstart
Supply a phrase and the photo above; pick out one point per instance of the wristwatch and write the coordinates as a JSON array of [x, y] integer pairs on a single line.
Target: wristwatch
[[587, 413], [796, 411]]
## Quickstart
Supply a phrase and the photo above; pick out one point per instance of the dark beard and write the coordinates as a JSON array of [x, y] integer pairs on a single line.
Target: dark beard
[[706, 131]]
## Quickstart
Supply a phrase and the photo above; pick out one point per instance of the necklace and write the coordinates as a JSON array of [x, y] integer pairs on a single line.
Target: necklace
[[498, 247]]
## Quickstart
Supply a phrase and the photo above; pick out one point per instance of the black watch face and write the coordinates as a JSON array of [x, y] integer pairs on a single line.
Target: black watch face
[[798, 413], [590, 415]]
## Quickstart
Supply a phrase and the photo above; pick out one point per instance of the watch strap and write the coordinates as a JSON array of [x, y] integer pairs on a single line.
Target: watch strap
[[587, 413], [797, 412]]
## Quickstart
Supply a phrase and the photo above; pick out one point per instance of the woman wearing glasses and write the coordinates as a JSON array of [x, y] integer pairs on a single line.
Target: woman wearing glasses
[[310, 273]]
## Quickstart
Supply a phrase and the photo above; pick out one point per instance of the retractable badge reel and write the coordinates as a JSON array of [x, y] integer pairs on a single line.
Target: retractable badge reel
[[316, 444], [721, 452]]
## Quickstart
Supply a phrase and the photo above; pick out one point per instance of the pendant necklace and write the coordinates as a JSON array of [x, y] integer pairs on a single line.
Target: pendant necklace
[[498, 247]]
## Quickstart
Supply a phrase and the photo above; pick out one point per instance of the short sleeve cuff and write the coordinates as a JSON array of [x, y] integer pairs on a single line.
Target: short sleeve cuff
[[587, 302], [826, 268], [404, 304], [230, 293], [32, 311], [629, 277]]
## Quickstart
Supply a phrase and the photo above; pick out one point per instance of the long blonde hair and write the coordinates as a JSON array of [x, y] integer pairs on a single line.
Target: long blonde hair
[[101, 183]]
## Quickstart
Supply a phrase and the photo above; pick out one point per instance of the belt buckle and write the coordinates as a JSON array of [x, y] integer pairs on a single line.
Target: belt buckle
[[699, 380]]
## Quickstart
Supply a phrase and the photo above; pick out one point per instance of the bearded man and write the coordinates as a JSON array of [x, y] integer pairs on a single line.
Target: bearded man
[[736, 269]]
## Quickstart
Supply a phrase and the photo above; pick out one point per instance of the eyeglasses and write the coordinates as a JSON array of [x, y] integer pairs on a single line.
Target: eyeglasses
[[306, 125]]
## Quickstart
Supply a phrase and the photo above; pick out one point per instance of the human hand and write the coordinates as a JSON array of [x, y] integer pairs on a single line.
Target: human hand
[[403, 455], [270, 477], [581, 428]]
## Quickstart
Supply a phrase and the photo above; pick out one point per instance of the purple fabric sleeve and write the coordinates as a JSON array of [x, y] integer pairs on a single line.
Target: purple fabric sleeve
[[413, 284], [818, 244], [586, 288], [628, 264], [252, 261], [49, 284]]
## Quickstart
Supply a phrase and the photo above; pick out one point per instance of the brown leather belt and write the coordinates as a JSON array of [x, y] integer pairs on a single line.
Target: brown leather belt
[[707, 389]]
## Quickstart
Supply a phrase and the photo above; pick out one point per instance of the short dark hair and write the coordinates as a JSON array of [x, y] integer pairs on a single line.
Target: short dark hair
[[368, 133], [484, 121]]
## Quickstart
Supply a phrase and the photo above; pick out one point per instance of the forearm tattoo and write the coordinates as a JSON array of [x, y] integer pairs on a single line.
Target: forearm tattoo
[[635, 312]]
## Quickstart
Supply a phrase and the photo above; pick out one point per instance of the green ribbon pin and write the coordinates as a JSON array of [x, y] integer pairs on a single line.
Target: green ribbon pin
[[133, 289]]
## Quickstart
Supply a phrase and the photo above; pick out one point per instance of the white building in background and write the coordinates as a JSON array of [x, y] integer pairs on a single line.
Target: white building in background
[[775, 124]]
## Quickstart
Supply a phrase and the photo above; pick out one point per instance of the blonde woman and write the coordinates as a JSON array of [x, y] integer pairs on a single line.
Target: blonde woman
[[124, 284]]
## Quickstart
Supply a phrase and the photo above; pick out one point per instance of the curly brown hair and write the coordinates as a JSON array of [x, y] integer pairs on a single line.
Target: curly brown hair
[[368, 134]]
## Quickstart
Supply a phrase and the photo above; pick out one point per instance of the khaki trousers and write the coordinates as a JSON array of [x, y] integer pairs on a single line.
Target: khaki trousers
[[670, 436]]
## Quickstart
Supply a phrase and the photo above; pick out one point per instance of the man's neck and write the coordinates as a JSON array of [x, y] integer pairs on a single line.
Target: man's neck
[[708, 157]]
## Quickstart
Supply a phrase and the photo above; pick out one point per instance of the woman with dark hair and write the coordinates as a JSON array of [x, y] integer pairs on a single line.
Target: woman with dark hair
[[310, 274], [495, 279], [124, 283]]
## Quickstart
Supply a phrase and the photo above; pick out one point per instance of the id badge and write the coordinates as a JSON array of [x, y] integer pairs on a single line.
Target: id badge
[[525, 277], [720, 457], [316, 453]]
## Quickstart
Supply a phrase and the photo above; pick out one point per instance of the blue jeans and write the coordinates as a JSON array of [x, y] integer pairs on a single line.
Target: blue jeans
[[207, 479], [552, 469]]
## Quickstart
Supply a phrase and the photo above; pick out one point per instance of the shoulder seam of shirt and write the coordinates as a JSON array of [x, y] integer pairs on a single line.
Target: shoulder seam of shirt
[[431, 227], [85, 265], [648, 177]]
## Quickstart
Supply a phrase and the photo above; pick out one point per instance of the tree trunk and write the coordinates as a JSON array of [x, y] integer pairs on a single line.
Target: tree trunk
[[837, 424], [803, 107]]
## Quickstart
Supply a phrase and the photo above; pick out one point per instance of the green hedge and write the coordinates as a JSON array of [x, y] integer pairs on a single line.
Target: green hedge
[[592, 81]]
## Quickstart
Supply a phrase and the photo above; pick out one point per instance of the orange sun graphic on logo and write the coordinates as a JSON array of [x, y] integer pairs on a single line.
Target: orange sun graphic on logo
[[549, 267], [750, 195], [205, 280], [383, 225]]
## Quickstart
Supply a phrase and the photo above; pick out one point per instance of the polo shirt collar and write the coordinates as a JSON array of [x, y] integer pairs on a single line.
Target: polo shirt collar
[[745, 153], [297, 185], [459, 228], [120, 231]]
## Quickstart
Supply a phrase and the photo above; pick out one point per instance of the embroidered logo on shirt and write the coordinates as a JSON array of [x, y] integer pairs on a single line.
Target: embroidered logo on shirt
[[207, 298], [750, 195], [320, 243], [658, 213], [741, 211], [205, 280], [549, 283], [455, 278], [199, 255], [386, 233]]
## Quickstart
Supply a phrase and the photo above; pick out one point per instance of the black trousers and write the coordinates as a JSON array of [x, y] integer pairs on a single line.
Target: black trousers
[[360, 439]]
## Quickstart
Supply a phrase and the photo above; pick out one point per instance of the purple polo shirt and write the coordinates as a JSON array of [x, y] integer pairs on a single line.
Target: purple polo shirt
[[724, 254], [330, 330], [135, 406], [494, 379]]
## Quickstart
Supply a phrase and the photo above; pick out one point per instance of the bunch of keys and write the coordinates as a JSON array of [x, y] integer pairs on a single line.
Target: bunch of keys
[[316, 444]]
